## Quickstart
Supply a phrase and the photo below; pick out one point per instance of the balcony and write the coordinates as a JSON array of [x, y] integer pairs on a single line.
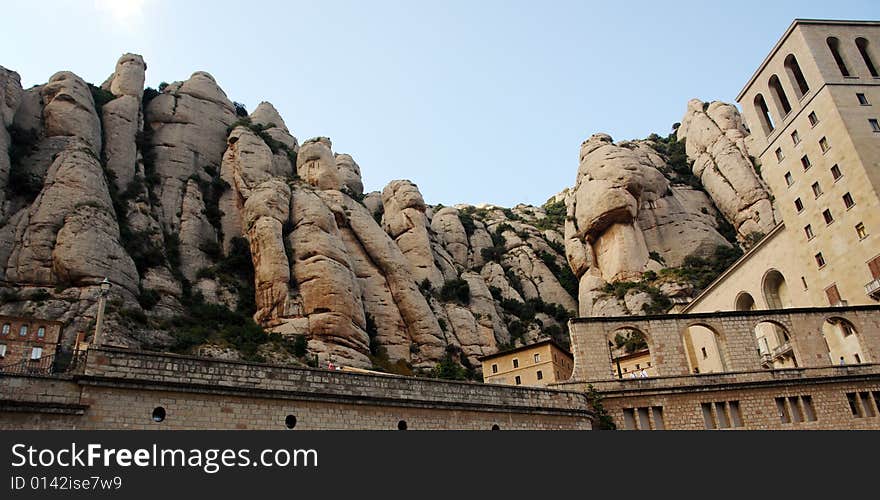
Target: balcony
[[873, 289]]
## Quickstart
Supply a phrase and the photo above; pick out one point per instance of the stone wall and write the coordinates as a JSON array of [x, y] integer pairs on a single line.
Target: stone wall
[[120, 389]]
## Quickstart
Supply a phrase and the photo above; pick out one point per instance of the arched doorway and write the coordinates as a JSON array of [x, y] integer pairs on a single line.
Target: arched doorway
[[842, 341], [703, 349], [774, 346], [775, 290], [630, 354]]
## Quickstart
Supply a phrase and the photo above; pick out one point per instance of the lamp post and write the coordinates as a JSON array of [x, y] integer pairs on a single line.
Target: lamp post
[[102, 301]]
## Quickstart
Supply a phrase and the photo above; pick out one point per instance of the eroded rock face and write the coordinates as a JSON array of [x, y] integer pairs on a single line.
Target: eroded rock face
[[69, 234], [406, 222], [123, 118], [69, 110], [622, 208], [716, 143], [188, 129], [10, 97]]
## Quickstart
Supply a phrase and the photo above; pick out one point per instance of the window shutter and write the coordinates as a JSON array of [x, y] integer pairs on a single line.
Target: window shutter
[[833, 295], [874, 266]]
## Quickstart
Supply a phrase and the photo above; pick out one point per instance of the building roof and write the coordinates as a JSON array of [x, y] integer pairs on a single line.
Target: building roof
[[788, 32], [540, 343], [29, 319]]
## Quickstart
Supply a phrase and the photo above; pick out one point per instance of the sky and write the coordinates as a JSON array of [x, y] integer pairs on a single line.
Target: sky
[[475, 101]]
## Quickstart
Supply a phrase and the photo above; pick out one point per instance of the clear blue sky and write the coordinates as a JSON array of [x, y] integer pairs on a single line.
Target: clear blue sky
[[475, 101]]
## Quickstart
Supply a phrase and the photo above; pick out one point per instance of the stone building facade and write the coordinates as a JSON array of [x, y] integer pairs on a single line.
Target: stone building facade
[[537, 365], [820, 393], [813, 110], [24, 342]]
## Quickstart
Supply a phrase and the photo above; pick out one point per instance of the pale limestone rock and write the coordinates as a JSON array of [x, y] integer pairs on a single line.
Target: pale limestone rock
[[10, 97], [328, 288], [537, 280], [122, 122], [451, 233], [64, 236], [405, 221], [195, 232], [128, 78], [715, 139], [189, 122], [422, 325], [316, 165], [349, 175], [267, 116], [373, 202], [493, 274], [69, 110]]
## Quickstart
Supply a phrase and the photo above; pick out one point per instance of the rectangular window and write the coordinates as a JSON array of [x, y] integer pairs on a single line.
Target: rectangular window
[[36, 353], [644, 419], [779, 155], [826, 214], [2, 350], [817, 189], [708, 419], [874, 267], [721, 411], [629, 419], [854, 404], [863, 100], [848, 201], [820, 260], [799, 205], [875, 125], [808, 230], [494, 368], [814, 120], [833, 295], [823, 145], [796, 415], [809, 411], [835, 172], [540, 375], [782, 411], [789, 180], [805, 161], [736, 419], [515, 363], [861, 231], [795, 137], [658, 418], [866, 404], [518, 380]]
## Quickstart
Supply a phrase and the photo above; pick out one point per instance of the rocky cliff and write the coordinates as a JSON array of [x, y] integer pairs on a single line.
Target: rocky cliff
[[222, 233]]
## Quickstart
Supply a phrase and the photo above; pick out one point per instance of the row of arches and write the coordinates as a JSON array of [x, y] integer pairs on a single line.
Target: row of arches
[[706, 351], [799, 83], [783, 104]]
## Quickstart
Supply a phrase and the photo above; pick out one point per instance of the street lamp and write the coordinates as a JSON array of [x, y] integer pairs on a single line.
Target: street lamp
[[102, 301]]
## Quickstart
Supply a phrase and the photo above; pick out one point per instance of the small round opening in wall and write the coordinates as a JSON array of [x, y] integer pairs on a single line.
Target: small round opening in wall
[[158, 414], [496, 427], [290, 421], [401, 426]]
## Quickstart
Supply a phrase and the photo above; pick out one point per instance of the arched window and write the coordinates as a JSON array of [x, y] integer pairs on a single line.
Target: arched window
[[630, 354], [23, 331], [41, 332], [6, 328], [779, 95], [764, 114], [774, 346], [703, 349], [862, 44], [842, 341], [745, 302], [796, 76], [834, 45], [776, 290]]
